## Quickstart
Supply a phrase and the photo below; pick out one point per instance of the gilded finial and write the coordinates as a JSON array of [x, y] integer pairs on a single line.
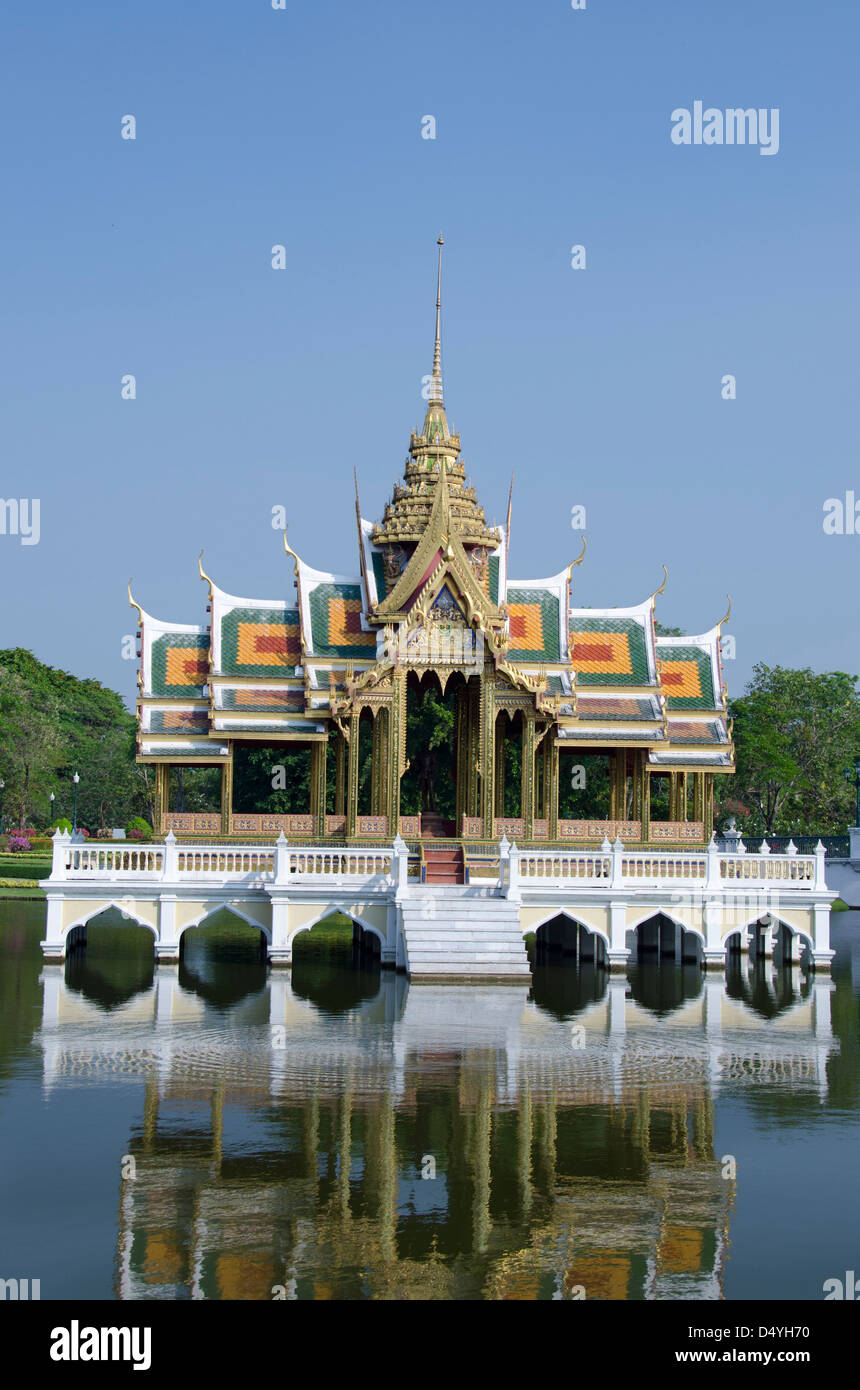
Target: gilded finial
[[134, 604], [289, 550], [728, 612], [577, 561], [662, 587], [203, 574]]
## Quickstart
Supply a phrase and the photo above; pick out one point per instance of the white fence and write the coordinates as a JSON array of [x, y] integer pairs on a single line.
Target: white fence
[[616, 867], [169, 862], [612, 866]]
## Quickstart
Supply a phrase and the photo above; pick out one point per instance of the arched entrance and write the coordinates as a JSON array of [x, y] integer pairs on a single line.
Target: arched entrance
[[440, 785]]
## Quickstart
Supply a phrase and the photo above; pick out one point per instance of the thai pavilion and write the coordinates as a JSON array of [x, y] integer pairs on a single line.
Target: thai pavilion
[[533, 689]]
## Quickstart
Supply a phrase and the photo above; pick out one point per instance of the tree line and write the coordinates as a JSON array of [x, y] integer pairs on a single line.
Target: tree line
[[795, 733]]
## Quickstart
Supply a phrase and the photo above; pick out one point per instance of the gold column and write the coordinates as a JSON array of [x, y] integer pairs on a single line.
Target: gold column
[[162, 794], [352, 778], [501, 730], [475, 703], [552, 785], [699, 797], [227, 794], [618, 784], [528, 782], [375, 765], [461, 731], [678, 797], [396, 753], [644, 780], [709, 804], [383, 719], [546, 774], [318, 779], [487, 751], [339, 775]]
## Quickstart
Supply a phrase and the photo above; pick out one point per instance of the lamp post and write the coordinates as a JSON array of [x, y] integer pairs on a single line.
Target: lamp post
[[2, 785], [76, 779], [51, 817], [852, 774]]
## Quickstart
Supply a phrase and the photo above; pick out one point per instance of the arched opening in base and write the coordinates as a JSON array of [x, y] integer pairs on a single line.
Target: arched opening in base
[[336, 963], [223, 957], [109, 958]]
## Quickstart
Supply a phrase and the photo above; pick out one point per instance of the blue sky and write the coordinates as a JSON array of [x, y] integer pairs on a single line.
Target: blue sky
[[258, 388]]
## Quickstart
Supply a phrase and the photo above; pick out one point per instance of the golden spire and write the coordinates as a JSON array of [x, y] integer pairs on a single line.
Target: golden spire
[[435, 396]]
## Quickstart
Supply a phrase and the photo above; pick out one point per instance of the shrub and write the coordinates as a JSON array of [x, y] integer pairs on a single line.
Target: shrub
[[62, 825], [19, 844], [138, 829]]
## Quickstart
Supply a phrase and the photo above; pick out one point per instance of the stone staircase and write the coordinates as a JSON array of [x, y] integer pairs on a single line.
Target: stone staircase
[[455, 932]]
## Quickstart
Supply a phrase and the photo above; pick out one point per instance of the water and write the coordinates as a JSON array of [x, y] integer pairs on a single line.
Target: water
[[216, 1130]]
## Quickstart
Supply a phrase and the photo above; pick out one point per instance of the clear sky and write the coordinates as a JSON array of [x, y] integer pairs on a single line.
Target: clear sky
[[599, 387]]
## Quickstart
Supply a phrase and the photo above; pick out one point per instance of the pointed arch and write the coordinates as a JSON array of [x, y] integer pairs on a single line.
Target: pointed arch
[[670, 916], [95, 913], [329, 911], [225, 907], [557, 912]]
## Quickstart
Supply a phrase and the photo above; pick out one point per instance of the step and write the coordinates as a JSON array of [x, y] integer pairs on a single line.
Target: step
[[517, 972]]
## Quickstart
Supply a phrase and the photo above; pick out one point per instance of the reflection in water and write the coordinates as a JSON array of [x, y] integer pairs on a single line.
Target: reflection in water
[[340, 1134]]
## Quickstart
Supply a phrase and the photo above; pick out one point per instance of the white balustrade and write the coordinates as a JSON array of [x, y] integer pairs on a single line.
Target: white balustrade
[[563, 866], [228, 862], [618, 866], [171, 862], [612, 865], [109, 861], [338, 863]]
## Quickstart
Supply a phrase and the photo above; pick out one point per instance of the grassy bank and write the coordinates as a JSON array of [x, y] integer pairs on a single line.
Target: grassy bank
[[27, 866]]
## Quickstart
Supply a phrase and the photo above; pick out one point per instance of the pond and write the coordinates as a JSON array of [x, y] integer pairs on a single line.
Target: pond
[[217, 1130]]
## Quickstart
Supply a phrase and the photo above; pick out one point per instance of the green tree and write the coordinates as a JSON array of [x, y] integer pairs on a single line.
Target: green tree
[[429, 783], [274, 779], [52, 725], [30, 747], [795, 732]]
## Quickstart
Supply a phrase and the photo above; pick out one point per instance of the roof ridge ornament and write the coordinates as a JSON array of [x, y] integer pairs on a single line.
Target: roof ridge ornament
[[578, 561], [133, 603], [728, 613], [662, 588], [289, 550], [203, 575]]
